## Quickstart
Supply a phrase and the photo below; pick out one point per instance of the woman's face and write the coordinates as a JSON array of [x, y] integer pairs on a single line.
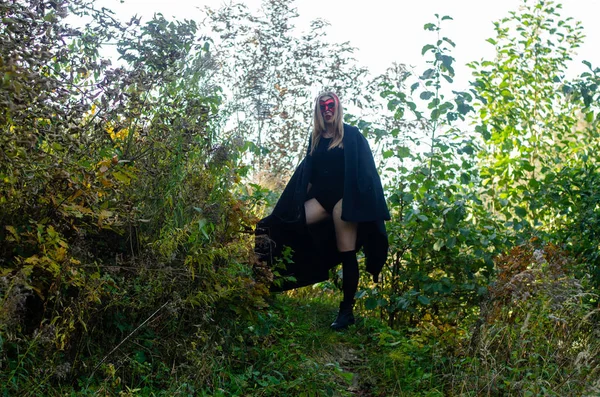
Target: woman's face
[[328, 108]]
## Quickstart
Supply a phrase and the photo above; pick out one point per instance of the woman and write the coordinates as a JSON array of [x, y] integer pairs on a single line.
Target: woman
[[332, 205]]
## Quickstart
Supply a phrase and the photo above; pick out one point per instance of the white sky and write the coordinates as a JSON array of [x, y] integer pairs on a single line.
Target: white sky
[[385, 31]]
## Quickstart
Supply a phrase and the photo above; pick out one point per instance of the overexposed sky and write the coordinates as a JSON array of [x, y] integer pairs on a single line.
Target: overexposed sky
[[386, 31]]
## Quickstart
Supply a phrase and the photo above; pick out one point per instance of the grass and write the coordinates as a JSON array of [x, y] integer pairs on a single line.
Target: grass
[[300, 355], [288, 349]]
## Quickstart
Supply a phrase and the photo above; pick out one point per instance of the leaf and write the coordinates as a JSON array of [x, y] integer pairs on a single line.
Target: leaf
[[452, 219], [393, 104], [32, 260], [13, 231], [452, 116], [451, 242], [446, 17], [429, 26], [371, 303], [4, 271], [403, 152], [521, 212], [363, 125], [589, 117], [50, 17], [468, 149], [424, 300], [427, 74], [399, 113], [140, 356], [426, 95], [463, 108], [427, 48], [122, 177], [452, 43], [438, 245], [506, 94], [447, 62], [465, 178]]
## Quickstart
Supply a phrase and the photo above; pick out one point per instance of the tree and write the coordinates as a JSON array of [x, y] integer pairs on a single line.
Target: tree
[[115, 202], [269, 73], [525, 117], [441, 237]]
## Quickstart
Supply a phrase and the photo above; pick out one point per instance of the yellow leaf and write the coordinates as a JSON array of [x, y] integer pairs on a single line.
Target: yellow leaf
[[32, 260], [121, 135], [77, 210], [122, 177], [51, 232], [60, 254], [106, 214], [26, 270], [76, 194], [52, 267], [13, 231]]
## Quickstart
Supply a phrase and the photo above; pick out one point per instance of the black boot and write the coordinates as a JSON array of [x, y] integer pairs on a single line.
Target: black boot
[[345, 316]]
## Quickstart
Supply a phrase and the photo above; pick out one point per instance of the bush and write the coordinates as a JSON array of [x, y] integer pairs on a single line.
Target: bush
[[122, 240], [538, 332]]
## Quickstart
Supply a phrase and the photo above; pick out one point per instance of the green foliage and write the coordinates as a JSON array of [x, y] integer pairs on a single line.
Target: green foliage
[[120, 226], [540, 131], [525, 118], [441, 237], [573, 187], [268, 68]]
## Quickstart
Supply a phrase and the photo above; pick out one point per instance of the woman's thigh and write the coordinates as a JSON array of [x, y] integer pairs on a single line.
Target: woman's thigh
[[345, 232], [314, 212]]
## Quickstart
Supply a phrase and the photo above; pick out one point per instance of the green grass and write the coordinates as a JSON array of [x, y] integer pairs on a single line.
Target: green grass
[[288, 349], [292, 351]]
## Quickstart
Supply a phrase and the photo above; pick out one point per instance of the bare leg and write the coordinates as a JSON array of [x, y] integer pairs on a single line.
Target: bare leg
[[314, 212], [345, 232]]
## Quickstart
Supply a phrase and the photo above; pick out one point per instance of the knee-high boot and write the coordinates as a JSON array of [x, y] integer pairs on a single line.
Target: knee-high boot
[[349, 285]]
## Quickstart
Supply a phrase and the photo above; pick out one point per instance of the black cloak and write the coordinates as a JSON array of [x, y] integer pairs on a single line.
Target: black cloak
[[314, 249]]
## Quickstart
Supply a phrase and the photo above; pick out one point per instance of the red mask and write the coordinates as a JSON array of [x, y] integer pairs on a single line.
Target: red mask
[[327, 105]]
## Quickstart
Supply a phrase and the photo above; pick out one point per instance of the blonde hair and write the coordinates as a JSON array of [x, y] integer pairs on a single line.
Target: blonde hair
[[319, 123]]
